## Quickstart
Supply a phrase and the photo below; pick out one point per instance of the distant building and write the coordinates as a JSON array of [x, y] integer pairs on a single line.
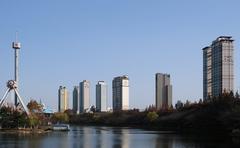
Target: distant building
[[84, 96], [101, 96], [76, 99], [218, 72], [62, 99], [163, 91], [120, 88]]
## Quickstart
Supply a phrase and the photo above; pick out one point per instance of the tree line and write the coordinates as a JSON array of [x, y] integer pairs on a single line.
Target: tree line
[[212, 115]]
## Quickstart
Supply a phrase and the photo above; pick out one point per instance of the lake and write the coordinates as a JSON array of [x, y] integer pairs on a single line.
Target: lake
[[111, 137]]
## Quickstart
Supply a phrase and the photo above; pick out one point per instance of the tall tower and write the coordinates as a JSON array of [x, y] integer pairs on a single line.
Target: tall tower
[[84, 96], [101, 96], [12, 85], [16, 46], [120, 88], [62, 99], [163, 91], [76, 97], [218, 72]]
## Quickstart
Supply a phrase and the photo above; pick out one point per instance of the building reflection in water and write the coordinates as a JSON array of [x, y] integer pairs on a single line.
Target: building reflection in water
[[120, 138], [84, 139], [102, 139], [108, 137], [99, 137]]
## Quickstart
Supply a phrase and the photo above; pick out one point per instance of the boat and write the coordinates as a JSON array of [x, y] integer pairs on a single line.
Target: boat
[[61, 127]]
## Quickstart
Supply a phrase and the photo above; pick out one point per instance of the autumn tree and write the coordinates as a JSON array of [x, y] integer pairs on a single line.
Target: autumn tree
[[34, 106], [37, 117], [151, 108]]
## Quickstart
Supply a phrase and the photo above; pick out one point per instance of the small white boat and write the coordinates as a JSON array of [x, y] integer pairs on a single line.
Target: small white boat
[[61, 127]]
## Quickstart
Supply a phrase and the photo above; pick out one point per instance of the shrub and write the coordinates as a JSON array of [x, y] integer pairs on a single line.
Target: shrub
[[152, 116]]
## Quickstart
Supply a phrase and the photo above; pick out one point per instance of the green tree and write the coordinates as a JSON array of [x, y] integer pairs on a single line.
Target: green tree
[[152, 116], [60, 117], [12, 118], [33, 121]]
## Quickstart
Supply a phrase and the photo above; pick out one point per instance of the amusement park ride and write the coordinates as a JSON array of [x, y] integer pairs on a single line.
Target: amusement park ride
[[12, 84]]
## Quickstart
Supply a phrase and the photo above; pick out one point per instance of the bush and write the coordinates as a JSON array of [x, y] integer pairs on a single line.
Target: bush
[[152, 116]]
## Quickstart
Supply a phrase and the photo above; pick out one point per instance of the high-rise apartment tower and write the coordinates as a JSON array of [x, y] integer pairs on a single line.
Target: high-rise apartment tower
[[218, 73], [120, 88], [84, 96], [76, 99], [62, 99], [101, 96], [163, 91]]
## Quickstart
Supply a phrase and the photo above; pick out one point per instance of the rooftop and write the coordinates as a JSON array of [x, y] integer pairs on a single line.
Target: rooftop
[[122, 77], [223, 38]]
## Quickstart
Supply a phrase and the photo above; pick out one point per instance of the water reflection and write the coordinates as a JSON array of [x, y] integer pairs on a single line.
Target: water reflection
[[82, 137], [120, 138], [164, 141], [109, 137], [101, 137]]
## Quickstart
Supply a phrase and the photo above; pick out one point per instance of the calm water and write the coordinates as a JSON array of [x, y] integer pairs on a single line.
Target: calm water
[[109, 137]]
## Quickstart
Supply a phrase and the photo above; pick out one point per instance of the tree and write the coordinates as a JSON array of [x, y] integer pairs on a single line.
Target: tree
[[33, 120], [93, 109], [237, 95], [60, 117], [231, 94], [151, 108], [12, 118], [34, 106], [179, 105], [37, 116], [187, 104], [152, 116], [70, 112]]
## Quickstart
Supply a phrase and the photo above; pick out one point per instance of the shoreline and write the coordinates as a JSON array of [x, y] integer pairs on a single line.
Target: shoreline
[[24, 131]]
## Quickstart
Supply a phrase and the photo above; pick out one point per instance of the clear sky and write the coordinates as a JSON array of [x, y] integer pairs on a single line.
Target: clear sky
[[67, 41]]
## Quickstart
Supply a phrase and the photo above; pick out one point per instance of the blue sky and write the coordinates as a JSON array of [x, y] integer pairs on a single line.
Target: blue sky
[[65, 42]]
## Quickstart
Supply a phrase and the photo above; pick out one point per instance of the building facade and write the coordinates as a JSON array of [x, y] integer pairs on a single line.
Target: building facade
[[120, 89], [63, 99], [76, 99], [101, 96], [218, 72], [207, 72], [84, 96], [163, 91]]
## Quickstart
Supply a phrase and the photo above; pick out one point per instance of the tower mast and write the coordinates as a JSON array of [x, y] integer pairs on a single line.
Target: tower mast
[[16, 46]]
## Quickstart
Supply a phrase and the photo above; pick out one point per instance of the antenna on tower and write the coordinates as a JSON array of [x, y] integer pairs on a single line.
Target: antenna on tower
[[16, 44], [16, 33]]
